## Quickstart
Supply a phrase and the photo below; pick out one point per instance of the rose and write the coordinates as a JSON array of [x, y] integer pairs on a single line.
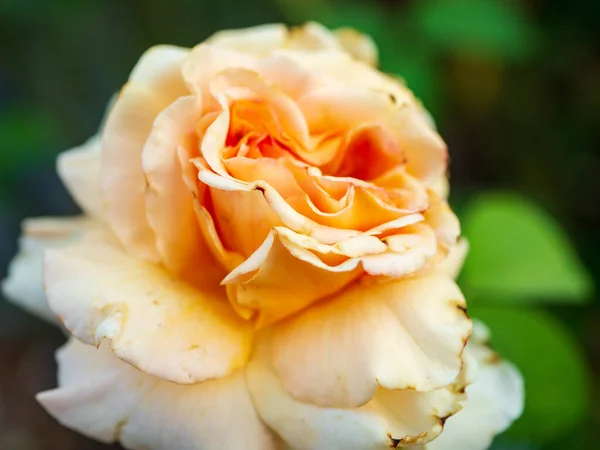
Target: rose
[[266, 237], [314, 164]]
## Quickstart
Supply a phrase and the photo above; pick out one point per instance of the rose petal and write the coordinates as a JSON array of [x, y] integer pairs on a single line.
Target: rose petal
[[346, 107], [154, 83], [269, 275], [390, 419], [155, 322], [79, 170], [444, 222], [312, 36], [257, 41], [169, 204], [199, 191], [290, 119], [338, 352], [24, 284], [494, 401], [341, 69], [286, 214], [454, 261], [244, 219], [360, 46], [108, 400]]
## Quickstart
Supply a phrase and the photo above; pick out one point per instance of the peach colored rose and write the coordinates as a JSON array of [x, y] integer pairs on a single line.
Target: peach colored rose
[[266, 240]]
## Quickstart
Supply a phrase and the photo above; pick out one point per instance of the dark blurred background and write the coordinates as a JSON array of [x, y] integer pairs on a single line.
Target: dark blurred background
[[514, 87]]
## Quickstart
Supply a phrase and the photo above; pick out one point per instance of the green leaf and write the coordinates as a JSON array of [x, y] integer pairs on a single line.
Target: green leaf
[[557, 381], [519, 253], [490, 28]]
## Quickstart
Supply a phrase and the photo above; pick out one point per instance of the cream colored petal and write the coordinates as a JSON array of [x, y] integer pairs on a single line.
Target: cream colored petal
[[290, 77], [79, 170], [425, 149], [312, 36], [338, 352], [391, 419], [342, 69], [342, 108], [24, 284], [444, 222], [494, 401], [153, 321], [407, 253], [441, 187], [257, 41], [204, 62], [359, 45], [154, 83], [169, 203], [108, 400], [452, 264], [160, 67]]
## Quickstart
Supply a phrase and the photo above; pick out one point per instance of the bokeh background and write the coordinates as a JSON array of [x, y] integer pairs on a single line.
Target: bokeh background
[[514, 87]]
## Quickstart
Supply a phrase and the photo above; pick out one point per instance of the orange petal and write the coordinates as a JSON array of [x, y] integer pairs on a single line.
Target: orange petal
[[276, 283], [169, 203]]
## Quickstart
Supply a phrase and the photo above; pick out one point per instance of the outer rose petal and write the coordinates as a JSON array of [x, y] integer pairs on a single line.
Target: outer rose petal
[[312, 36], [79, 169], [493, 402], [154, 84], [454, 260], [359, 45], [24, 284], [108, 400], [155, 322], [256, 41], [390, 419], [338, 352]]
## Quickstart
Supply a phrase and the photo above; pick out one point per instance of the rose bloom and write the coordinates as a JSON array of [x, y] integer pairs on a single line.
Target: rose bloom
[[265, 260]]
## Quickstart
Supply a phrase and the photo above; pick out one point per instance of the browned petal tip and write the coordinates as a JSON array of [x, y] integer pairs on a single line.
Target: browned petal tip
[[395, 442], [462, 308], [443, 419], [493, 358]]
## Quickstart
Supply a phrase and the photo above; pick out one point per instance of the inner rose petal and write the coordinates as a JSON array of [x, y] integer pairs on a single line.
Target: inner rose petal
[[370, 152]]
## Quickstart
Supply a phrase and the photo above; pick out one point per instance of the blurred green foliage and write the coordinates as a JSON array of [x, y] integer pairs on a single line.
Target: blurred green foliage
[[519, 254], [514, 87]]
